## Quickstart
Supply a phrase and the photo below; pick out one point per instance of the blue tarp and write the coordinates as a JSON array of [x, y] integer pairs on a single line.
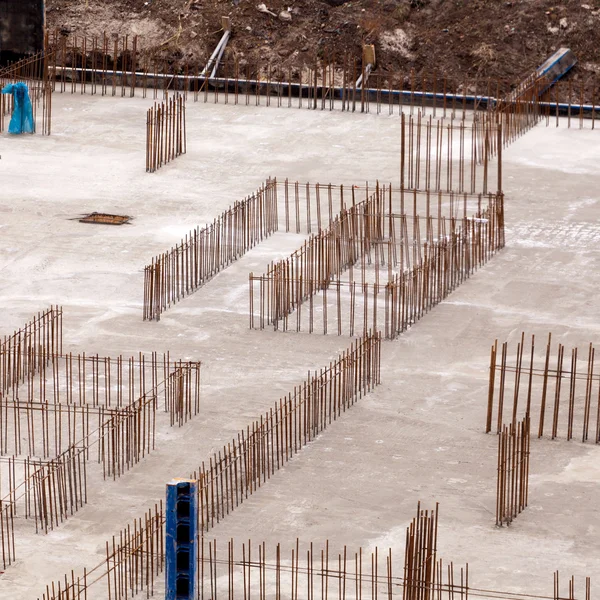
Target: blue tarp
[[22, 117]]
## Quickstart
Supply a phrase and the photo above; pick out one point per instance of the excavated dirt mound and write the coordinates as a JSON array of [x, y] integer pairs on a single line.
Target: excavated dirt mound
[[457, 38]]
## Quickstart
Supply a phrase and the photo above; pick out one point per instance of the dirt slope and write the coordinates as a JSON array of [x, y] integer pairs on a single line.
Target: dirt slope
[[459, 38]]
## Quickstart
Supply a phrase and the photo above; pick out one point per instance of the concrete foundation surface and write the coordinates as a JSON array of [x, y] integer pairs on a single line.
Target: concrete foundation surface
[[419, 436]]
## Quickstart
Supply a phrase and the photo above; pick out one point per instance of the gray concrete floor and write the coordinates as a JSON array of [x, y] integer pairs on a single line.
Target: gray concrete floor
[[417, 437]]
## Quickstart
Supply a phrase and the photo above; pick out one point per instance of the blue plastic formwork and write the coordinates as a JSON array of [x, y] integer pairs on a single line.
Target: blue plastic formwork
[[181, 539]]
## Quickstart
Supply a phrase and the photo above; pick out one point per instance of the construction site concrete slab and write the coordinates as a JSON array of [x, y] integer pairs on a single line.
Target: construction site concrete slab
[[419, 436]]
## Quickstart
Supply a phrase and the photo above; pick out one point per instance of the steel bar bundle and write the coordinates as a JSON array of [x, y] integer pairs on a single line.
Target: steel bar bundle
[[420, 556], [312, 570], [91, 380], [84, 380], [519, 114], [94, 380], [21, 492], [512, 489], [259, 451], [68, 407], [165, 132], [537, 383], [6, 103], [311, 207], [123, 436], [123, 430], [306, 207], [571, 596], [324, 256], [108, 64], [314, 206], [438, 155], [520, 109], [43, 429], [126, 435], [62, 405], [29, 348], [7, 532], [183, 392], [271, 441], [6, 107], [205, 252], [60, 488], [447, 264], [126, 426], [111, 64], [134, 559], [46, 110], [117, 64], [393, 273], [49, 491]]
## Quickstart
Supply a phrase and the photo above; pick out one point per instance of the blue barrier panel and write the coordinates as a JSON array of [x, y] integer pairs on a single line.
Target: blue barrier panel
[[556, 67], [181, 539]]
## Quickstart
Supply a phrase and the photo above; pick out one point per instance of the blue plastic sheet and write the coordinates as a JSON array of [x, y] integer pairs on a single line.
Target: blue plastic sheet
[[22, 117]]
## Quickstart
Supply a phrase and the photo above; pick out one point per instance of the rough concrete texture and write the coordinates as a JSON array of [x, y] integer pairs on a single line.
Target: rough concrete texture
[[417, 437]]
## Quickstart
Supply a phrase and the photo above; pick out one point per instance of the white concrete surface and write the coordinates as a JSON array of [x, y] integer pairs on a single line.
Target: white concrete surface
[[418, 437]]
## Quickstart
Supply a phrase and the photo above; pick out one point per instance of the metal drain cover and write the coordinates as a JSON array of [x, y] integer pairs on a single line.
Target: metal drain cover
[[105, 219]]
